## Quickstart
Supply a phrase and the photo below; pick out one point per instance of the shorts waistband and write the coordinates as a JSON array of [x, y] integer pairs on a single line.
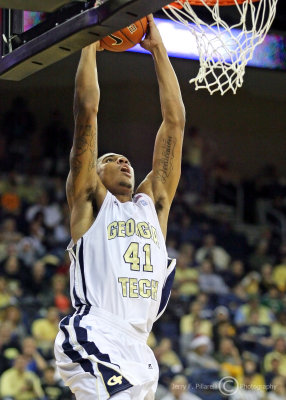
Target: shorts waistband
[[117, 323]]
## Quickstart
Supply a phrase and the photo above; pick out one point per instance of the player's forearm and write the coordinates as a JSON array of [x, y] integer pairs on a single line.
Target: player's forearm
[[170, 94], [86, 83]]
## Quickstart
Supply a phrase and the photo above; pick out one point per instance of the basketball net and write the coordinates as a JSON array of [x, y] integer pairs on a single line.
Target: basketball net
[[224, 50]]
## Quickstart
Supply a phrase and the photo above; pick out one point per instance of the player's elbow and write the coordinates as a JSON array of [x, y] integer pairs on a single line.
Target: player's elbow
[[176, 119], [85, 109], [86, 102], [175, 114]]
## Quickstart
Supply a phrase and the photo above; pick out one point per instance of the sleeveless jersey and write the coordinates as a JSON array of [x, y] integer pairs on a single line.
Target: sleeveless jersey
[[120, 264]]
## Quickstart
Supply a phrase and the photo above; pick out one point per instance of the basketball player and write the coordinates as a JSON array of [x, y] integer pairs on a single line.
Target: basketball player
[[120, 275]]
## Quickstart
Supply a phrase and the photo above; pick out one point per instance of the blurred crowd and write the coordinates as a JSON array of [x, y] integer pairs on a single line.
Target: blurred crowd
[[226, 316]]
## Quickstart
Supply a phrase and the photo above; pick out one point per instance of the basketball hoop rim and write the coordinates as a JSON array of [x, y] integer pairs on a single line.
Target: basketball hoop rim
[[212, 2]]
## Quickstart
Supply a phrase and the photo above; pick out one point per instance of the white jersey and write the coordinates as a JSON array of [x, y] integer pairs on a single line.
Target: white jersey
[[120, 264]]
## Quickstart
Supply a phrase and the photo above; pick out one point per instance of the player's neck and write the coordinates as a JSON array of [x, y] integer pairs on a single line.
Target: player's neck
[[123, 198]]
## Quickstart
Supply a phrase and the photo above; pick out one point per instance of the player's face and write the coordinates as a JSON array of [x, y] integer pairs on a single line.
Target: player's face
[[116, 173]]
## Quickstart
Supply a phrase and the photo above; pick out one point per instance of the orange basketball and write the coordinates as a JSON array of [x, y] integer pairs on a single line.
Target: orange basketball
[[125, 38]]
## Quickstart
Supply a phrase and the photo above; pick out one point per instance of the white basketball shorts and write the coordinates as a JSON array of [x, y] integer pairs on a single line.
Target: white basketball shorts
[[100, 356]]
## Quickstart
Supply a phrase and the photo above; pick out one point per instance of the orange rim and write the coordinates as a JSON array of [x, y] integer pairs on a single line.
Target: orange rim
[[210, 2]]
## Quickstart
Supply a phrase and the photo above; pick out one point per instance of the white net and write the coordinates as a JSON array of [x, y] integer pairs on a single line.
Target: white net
[[224, 48]]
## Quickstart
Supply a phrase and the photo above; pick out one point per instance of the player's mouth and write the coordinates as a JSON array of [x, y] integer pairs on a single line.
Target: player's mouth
[[125, 169]]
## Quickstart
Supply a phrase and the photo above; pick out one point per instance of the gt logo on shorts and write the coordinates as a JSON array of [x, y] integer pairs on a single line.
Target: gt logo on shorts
[[114, 380]]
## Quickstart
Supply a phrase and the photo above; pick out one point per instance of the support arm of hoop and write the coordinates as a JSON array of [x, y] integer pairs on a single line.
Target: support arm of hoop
[[74, 34]]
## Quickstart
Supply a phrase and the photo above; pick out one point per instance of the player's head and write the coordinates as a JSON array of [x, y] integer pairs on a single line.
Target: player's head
[[116, 173]]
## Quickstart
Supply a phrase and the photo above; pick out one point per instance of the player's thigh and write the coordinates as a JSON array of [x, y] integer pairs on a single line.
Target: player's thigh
[[88, 387], [84, 394], [125, 395]]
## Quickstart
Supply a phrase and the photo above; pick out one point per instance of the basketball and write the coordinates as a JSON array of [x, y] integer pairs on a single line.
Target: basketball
[[125, 38]]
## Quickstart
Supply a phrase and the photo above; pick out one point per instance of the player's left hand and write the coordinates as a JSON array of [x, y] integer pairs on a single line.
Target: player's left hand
[[153, 37]]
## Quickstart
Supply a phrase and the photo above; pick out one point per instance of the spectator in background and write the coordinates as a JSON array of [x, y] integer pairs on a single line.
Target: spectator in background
[[209, 281], [9, 347], [193, 153], [19, 384], [273, 370], [260, 256], [272, 299], [170, 320], [211, 251], [9, 232], [12, 315], [186, 277], [242, 315], [279, 353], [171, 245], [198, 329], [234, 273], [166, 356], [36, 235], [187, 232], [188, 320], [251, 283], [12, 269], [60, 292], [61, 234], [59, 193], [29, 250], [266, 278], [52, 387], [6, 295], [229, 358], [35, 362], [239, 296], [255, 336], [45, 330], [50, 211], [37, 285], [207, 305], [222, 326], [279, 274], [251, 383], [198, 356], [225, 181], [64, 265], [178, 390], [278, 328], [188, 250], [223, 330], [278, 389]]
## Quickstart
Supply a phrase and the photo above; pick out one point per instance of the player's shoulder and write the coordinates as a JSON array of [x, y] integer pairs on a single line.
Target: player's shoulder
[[143, 199]]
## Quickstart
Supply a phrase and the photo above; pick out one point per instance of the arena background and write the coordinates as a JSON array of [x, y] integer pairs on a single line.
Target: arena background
[[249, 127]]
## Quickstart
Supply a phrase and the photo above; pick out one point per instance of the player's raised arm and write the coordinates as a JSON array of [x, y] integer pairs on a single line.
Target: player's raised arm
[[161, 183], [83, 179]]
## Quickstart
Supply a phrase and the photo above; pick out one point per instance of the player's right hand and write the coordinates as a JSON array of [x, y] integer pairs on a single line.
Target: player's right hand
[[98, 46], [153, 37]]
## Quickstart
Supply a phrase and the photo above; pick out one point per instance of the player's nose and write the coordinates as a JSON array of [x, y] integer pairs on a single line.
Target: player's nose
[[122, 160]]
